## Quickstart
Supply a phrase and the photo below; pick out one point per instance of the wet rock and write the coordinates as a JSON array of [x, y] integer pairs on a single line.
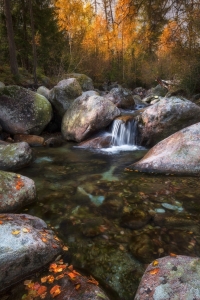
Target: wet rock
[[93, 227], [63, 94], [177, 154], [15, 191], [26, 246], [165, 118], [85, 82], [55, 141], [135, 219], [175, 220], [15, 156], [87, 115], [32, 140], [23, 111], [112, 207], [143, 248], [42, 90], [99, 142], [121, 97], [171, 278]]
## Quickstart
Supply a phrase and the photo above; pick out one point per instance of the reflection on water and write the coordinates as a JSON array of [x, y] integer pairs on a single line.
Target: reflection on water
[[114, 221]]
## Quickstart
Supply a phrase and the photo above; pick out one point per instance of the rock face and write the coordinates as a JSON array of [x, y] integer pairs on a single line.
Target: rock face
[[171, 278], [15, 192], [165, 118], [121, 97], [85, 82], [26, 246], [15, 156], [87, 115], [177, 154], [23, 111], [63, 94]]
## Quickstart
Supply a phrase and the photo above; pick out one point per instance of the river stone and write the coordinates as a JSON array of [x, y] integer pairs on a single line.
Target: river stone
[[87, 115], [121, 97], [171, 278], [165, 118], [15, 191], [42, 90], [63, 94], [26, 246], [135, 219], [15, 156], [23, 111], [99, 142], [85, 82], [177, 154], [32, 140]]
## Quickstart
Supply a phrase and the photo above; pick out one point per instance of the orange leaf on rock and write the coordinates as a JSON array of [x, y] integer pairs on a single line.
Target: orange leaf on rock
[[65, 248], [19, 185], [50, 279], [1, 222], [42, 289], [154, 271], [78, 286], [71, 275], [92, 280], [25, 230], [44, 279], [155, 263], [44, 240], [173, 255], [59, 276], [55, 291]]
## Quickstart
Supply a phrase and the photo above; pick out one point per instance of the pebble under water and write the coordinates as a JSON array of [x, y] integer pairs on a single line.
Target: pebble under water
[[114, 221]]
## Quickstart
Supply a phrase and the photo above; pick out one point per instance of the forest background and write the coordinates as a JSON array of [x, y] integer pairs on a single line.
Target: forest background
[[129, 41]]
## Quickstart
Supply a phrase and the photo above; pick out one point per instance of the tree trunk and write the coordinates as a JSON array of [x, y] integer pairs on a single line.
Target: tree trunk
[[33, 43], [11, 41]]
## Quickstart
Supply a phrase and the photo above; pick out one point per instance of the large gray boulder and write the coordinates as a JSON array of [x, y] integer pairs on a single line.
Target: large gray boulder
[[63, 94], [165, 118], [42, 90], [177, 154], [85, 82], [16, 191], [87, 115], [15, 156], [23, 111], [26, 246], [170, 278], [121, 97]]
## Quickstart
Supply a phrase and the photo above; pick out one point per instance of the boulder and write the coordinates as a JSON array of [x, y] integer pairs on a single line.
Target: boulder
[[85, 82], [16, 191], [2, 85], [87, 115], [42, 90], [32, 140], [178, 154], [121, 97], [63, 94], [15, 156], [171, 277], [165, 118], [23, 111], [26, 246], [102, 141]]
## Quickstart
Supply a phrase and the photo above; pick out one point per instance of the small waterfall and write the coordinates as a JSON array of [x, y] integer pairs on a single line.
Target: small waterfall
[[124, 132]]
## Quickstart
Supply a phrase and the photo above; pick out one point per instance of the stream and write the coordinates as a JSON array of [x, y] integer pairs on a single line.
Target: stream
[[114, 221]]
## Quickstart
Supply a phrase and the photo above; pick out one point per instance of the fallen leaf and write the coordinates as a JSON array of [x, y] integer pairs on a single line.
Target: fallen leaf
[[50, 279], [154, 271], [54, 246], [92, 280], [1, 222], [44, 279], [19, 185], [78, 286], [71, 275], [44, 240], [25, 230], [65, 248], [55, 291], [71, 268], [42, 289], [173, 255], [76, 273], [155, 263], [27, 282], [15, 232], [59, 276]]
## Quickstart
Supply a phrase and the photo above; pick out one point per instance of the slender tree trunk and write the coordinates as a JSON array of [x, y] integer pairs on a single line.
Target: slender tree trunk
[[33, 43], [25, 52], [11, 41]]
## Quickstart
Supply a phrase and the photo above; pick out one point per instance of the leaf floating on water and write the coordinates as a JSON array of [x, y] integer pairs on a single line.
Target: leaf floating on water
[[55, 291], [155, 263], [15, 232], [154, 271], [173, 255]]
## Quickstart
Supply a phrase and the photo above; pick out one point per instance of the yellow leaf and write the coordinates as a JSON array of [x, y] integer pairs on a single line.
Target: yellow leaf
[[154, 271], [15, 232], [155, 263], [25, 230]]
